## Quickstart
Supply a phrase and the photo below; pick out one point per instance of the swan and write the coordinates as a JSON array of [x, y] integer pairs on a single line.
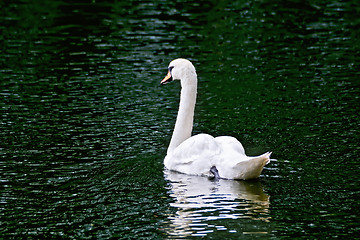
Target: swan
[[220, 157]]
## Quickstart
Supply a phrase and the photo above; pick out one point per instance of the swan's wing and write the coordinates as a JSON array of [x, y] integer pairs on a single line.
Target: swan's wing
[[230, 145], [194, 156]]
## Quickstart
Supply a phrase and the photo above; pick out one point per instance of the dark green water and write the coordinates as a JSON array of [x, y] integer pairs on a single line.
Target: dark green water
[[85, 125]]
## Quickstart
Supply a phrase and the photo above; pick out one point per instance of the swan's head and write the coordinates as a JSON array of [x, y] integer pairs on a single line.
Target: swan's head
[[180, 69]]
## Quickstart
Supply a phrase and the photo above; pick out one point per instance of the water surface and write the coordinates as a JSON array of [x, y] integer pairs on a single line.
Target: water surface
[[85, 125]]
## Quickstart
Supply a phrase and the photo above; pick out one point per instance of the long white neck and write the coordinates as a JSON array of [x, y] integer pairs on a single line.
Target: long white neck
[[185, 117]]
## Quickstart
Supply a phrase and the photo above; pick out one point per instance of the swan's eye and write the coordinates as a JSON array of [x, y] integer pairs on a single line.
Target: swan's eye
[[171, 68]]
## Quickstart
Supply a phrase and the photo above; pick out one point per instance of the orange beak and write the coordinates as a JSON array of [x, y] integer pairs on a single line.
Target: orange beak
[[167, 78]]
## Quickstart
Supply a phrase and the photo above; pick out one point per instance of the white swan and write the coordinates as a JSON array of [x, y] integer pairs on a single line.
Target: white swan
[[203, 154]]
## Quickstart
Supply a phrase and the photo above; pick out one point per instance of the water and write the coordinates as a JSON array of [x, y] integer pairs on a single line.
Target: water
[[85, 124]]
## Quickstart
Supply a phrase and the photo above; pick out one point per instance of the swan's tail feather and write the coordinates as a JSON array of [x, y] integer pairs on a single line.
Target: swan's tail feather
[[267, 157], [253, 167], [262, 159]]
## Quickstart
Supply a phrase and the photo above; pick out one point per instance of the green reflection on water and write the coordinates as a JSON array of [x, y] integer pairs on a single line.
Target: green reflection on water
[[84, 124]]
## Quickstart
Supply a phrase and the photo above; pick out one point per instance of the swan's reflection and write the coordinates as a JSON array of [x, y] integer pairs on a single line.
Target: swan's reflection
[[200, 203]]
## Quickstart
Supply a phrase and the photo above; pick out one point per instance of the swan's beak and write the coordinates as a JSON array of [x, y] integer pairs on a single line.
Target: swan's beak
[[167, 78]]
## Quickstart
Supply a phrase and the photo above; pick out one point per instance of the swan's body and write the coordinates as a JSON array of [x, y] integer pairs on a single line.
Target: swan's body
[[196, 155]]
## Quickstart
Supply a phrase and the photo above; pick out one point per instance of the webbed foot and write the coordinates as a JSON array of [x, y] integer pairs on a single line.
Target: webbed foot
[[215, 172]]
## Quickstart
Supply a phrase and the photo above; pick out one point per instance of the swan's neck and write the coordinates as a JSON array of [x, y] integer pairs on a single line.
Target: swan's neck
[[185, 117]]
